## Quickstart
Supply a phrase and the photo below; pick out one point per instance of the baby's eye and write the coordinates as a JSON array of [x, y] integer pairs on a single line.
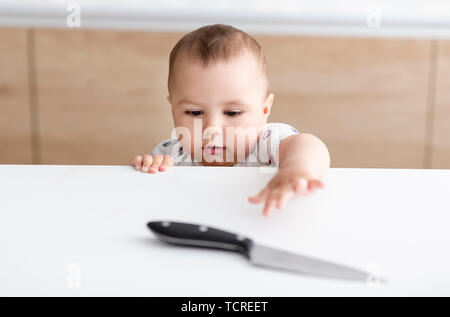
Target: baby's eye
[[194, 113], [232, 113]]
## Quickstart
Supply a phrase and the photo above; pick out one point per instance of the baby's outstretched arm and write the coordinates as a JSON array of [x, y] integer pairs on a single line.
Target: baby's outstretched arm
[[304, 160], [152, 163]]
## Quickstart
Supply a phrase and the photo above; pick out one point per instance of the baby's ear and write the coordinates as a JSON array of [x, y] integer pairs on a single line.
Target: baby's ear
[[268, 104]]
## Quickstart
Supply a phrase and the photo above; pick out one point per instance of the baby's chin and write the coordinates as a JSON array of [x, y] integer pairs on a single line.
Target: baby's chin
[[217, 160], [211, 160], [214, 163]]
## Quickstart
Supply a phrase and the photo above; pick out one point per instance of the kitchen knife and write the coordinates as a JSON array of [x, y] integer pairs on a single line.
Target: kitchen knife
[[189, 234]]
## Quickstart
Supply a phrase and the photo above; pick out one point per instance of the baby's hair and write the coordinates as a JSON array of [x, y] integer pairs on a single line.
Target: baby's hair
[[214, 43]]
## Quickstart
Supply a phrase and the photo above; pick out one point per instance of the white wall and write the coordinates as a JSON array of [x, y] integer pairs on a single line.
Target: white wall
[[406, 18]]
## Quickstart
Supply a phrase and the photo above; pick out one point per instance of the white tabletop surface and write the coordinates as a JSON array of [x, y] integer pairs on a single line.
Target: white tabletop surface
[[81, 231]]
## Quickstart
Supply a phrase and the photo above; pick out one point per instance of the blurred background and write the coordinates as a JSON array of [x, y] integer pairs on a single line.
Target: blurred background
[[84, 82]]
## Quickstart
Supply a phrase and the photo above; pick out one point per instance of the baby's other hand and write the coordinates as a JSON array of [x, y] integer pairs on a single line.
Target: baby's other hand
[[287, 184], [152, 163]]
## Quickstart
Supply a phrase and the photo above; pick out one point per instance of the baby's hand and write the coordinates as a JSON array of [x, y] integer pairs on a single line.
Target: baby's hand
[[152, 164], [287, 184]]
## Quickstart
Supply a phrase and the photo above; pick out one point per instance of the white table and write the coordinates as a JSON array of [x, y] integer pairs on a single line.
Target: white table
[[81, 230]]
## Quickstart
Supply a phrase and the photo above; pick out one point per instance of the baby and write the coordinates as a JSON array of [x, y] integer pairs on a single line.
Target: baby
[[220, 101]]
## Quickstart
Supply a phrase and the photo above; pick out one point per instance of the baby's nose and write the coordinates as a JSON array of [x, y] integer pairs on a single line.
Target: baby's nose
[[213, 125], [212, 121], [212, 132]]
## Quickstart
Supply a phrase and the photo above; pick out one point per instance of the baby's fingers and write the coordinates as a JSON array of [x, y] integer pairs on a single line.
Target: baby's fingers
[[260, 197], [137, 162], [167, 162], [147, 161], [283, 198], [157, 160], [271, 200], [316, 183], [301, 185]]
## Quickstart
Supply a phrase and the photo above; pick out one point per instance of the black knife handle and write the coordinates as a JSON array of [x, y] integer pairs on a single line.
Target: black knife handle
[[200, 236]]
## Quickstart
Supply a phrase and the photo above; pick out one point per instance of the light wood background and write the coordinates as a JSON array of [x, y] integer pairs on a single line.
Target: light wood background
[[98, 96]]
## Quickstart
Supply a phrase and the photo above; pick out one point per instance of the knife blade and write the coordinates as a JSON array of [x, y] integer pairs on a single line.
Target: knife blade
[[189, 234]]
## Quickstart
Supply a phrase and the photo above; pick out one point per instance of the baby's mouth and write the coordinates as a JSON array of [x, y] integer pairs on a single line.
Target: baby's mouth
[[212, 149]]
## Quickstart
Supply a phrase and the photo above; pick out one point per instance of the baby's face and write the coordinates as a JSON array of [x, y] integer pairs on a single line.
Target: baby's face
[[227, 102]]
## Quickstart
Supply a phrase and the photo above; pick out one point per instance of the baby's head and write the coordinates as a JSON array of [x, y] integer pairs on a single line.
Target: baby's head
[[218, 90]]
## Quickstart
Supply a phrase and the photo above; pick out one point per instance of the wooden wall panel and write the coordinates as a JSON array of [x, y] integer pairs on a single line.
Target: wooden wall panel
[[365, 98], [15, 134], [441, 132], [102, 94]]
